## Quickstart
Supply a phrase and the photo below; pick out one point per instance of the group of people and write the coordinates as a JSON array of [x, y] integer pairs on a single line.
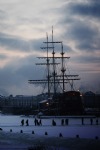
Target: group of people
[[37, 122], [64, 122], [23, 122], [91, 121]]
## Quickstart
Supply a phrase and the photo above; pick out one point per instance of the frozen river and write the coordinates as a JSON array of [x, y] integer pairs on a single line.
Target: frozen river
[[74, 127]]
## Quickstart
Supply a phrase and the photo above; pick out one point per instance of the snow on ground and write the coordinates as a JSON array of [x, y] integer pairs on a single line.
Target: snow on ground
[[74, 127], [23, 141], [89, 135]]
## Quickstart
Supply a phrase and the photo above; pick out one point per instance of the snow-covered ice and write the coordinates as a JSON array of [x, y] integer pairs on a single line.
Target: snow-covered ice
[[9, 122], [70, 131]]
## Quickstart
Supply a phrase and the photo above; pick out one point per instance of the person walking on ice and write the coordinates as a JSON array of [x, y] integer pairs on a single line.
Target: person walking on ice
[[22, 122], [66, 121], [40, 122], [27, 123], [91, 120], [62, 122]]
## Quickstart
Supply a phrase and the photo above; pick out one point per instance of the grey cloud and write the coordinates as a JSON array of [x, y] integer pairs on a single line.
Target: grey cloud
[[37, 44], [11, 42], [81, 30], [87, 59], [3, 92], [85, 36], [90, 9], [7, 77], [84, 32], [2, 56], [28, 20], [28, 68], [2, 15], [13, 75], [17, 76], [16, 43], [88, 46], [67, 48]]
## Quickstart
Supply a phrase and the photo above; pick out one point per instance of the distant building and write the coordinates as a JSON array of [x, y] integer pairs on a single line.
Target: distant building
[[68, 103], [92, 103], [22, 101], [97, 101], [89, 99], [18, 104]]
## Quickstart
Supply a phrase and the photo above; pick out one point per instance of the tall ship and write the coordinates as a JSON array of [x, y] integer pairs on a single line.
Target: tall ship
[[62, 98]]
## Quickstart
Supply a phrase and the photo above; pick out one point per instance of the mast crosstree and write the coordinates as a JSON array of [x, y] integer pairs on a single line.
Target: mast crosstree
[[54, 78]]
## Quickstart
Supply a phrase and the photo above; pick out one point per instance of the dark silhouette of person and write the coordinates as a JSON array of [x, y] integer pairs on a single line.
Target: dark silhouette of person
[[22, 122], [97, 121], [66, 121], [40, 122], [53, 123], [62, 122], [35, 121], [27, 123], [91, 120], [82, 121]]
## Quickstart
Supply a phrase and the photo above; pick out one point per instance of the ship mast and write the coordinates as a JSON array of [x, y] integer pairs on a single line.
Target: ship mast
[[54, 67], [48, 80], [62, 68], [48, 75], [54, 78]]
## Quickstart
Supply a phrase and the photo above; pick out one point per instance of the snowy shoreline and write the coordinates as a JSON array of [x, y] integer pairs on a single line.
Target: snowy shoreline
[[8, 139]]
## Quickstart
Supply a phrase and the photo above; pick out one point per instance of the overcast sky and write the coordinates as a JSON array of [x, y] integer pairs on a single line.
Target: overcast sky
[[23, 27]]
